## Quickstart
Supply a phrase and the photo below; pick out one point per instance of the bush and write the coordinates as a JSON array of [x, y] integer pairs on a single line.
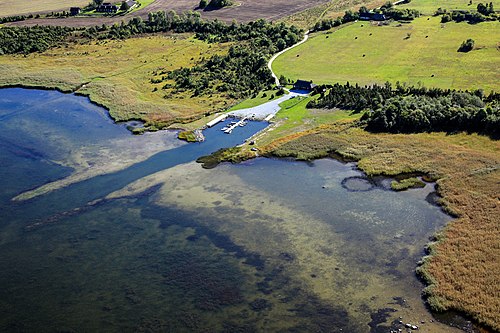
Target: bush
[[216, 4], [466, 46]]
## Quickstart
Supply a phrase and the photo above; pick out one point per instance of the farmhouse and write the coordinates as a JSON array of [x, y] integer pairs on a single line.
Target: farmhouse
[[107, 8], [74, 11], [303, 85], [372, 17]]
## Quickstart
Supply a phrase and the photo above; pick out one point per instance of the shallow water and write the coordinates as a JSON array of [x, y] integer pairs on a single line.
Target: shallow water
[[156, 243]]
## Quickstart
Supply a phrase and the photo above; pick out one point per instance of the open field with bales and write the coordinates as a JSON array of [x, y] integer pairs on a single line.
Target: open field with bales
[[428, 7], [423, 51], [118, 74], [14, 7]]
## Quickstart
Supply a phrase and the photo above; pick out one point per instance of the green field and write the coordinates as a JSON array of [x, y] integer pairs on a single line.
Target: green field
[[423, 51], [428, 7]]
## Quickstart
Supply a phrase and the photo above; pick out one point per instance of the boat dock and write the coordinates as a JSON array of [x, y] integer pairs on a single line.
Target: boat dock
[[229, 129]]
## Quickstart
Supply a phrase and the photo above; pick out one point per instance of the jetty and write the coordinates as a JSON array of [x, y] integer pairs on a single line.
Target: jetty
[[229, 129], [217, 120]]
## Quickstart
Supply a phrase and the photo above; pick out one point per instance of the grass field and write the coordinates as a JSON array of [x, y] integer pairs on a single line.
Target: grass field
[[423, 51], [261, 98], [15, 7], [428, 7], [117, 74]]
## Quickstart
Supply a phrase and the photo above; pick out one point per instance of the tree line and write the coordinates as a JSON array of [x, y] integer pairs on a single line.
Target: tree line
[[388, 10], [485, 12], [410, 109], [27, 40]]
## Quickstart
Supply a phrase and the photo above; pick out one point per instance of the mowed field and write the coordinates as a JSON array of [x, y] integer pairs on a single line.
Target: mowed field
[[423, 51], [428, 7], [16, 7], [118, 74], [243, 11]]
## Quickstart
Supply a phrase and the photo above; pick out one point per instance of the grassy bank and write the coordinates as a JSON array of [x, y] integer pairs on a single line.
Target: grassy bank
[[423, 51], [117, 75]]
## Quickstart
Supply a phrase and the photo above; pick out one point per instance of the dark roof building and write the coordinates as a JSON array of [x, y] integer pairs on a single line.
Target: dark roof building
[[372, 17], [74, 10], [303, 85], [107, 8]]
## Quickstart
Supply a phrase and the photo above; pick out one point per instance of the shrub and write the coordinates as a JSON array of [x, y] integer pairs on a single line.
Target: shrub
[[466, 46], [203, 4]]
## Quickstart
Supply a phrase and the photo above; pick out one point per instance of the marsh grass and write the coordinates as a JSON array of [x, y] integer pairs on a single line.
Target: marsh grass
[[407, 183], [188, 136], [462, 272], [118, 75]]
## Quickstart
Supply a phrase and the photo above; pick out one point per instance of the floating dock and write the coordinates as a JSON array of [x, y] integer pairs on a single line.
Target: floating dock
[[229, 129]]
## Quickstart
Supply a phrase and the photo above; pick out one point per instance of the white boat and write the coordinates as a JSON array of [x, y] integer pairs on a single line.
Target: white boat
[[224, 128], [228, 131]]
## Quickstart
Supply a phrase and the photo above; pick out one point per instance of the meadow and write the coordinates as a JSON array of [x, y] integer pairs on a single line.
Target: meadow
[[421, 52], [428, 7], [117, 74]]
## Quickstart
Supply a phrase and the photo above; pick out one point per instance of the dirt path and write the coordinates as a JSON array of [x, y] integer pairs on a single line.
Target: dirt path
[[270, 63]]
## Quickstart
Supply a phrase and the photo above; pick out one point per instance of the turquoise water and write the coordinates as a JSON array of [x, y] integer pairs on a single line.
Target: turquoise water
[[163, 259]]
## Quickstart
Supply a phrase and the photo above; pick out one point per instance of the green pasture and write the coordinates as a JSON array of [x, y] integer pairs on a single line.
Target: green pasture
[[428, 7], [295, 117], [261, 98], [421, 52]]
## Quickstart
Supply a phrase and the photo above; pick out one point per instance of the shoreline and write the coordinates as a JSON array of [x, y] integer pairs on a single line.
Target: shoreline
[[425, 277], [446, 203]]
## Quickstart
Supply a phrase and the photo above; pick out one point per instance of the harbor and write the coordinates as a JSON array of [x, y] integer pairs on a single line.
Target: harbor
[[263, 112], [234, 124]]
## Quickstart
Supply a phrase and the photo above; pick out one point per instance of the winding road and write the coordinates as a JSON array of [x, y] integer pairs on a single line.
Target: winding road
[[270, 63]]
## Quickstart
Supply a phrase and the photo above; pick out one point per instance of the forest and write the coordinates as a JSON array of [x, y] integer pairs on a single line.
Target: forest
[[409, 109], [27, 40]]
